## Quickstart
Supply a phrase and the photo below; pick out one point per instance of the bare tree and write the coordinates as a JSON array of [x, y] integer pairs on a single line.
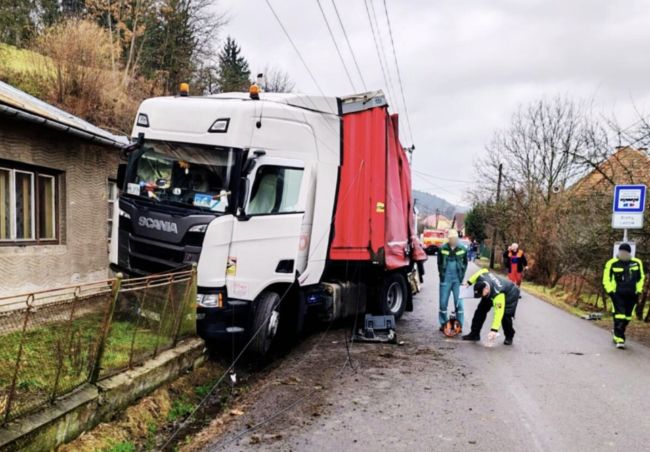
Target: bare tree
[[277, 81]]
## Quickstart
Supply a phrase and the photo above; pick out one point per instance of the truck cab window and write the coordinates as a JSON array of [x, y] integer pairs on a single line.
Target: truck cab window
[[191, 176], [276, 189]]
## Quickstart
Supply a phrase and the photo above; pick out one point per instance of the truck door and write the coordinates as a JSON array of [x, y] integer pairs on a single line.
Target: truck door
[[266, 239]]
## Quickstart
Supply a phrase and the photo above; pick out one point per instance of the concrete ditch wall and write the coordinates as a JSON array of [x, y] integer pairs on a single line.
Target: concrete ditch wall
[[92, 404]]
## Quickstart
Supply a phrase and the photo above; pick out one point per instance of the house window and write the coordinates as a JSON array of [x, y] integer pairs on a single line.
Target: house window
[[28, 199]]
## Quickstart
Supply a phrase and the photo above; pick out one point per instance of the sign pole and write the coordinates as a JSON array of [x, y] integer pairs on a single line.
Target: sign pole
[[625, 235]]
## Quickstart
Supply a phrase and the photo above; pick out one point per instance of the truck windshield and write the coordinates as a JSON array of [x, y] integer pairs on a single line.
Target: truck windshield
[[192, 176]]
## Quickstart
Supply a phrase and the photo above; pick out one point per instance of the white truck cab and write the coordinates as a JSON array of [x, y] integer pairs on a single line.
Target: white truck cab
[[246, 189]]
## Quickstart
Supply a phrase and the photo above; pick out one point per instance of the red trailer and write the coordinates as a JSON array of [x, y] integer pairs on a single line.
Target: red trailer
[[374, 216]]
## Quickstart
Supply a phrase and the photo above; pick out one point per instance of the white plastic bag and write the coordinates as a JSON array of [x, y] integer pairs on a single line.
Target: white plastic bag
[[491, 341]]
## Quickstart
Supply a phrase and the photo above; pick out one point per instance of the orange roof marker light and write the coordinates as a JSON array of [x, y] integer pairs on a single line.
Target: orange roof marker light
[[254, 92], [184, 89]]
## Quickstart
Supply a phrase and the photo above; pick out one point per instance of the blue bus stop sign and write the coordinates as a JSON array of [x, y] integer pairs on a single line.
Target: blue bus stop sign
[[629, 198], [629, 204]]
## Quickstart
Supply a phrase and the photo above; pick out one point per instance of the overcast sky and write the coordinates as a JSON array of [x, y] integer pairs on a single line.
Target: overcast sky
[[466, 64]]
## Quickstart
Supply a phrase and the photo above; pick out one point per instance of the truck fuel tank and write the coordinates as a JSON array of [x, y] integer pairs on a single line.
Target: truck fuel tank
[[338, 299]]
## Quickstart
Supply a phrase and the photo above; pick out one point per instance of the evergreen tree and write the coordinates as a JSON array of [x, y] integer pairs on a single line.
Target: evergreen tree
[[72, 7], [17, 21], [476, 223], [233, 68]]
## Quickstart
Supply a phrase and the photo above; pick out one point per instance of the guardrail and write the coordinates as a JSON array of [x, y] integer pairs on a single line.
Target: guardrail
[[54, 341]]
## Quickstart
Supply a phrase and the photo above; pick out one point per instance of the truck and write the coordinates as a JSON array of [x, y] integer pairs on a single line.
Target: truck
[[291, 206], [433, 239]]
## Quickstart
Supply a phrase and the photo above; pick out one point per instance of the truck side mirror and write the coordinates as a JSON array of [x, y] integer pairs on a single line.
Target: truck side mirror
[[121, 175]]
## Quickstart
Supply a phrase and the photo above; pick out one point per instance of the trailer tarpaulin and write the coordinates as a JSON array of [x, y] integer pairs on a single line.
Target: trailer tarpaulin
[[374, 208]]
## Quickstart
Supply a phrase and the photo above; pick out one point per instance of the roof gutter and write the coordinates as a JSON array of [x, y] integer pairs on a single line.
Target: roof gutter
[[23, 115]]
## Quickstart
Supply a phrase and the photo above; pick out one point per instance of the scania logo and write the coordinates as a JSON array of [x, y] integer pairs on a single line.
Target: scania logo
[[160, 225]]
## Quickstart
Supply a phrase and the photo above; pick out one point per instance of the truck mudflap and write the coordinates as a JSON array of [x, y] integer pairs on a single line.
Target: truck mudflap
[[214, 324]]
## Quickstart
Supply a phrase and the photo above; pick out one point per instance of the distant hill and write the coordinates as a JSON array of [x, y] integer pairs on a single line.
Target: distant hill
[[427, 203]]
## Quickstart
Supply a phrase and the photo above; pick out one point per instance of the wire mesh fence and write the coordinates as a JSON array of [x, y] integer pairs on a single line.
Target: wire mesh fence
[[52, 342]]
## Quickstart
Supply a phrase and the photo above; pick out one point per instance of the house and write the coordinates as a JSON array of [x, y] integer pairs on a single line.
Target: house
[[57, 186], [458, 223], [437, 221], [625, 166]]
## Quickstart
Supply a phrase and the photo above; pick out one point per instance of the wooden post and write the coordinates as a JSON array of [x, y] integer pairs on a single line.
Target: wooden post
[[190, 293], [494, 233], [106, 327]]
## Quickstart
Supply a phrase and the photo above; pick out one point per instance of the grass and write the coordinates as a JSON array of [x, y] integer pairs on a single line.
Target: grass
[[151, 420], [66, 351], [123, 446], [180, 409], [19, 60]]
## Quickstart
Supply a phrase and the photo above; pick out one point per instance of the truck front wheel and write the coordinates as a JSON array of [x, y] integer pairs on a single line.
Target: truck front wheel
[[266, 321], [393, 295]]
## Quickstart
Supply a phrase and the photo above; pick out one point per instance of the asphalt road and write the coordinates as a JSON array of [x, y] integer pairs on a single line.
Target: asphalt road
[[561, 387]]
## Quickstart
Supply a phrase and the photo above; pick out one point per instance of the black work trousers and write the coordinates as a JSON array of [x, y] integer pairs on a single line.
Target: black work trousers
[[623, 304], [481, 313]]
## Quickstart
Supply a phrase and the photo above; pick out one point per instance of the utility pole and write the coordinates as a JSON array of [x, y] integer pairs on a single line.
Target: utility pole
[[494, 233]]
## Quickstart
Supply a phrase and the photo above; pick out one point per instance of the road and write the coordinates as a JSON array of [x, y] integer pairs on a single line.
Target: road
[[561, 387]]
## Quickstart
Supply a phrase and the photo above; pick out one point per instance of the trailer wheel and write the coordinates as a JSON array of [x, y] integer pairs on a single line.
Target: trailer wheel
[[393, 295], [265, 322]]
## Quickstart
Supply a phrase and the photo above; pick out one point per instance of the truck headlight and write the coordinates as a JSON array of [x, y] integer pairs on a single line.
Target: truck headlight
[[210, 300], [124, 214], [199, 228]]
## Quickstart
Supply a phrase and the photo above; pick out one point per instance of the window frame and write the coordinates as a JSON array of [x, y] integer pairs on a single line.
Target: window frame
[[112, 204], [33, 237], [55, 225], [284, 166], [35, 172]]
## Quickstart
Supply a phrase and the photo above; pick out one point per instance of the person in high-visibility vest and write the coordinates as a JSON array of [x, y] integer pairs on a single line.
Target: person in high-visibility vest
[[623, 280], [496, 292]]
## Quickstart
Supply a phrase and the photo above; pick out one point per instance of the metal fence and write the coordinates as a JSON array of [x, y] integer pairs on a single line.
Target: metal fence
[[52, 342]]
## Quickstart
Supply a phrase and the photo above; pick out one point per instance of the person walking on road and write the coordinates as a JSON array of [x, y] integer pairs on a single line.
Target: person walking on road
[[514, 260], [452, 265], [623, 280], [495, 292], [473, 250]]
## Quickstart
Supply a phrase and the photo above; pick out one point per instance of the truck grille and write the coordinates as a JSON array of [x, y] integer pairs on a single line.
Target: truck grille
[[146, 256]]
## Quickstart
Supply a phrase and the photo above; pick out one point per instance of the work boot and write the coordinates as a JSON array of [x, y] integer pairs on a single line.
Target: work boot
[[474, 337], [508, 341]]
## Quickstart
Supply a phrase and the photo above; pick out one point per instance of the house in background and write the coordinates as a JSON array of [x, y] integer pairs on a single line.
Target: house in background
[[625, 166], [458, 223], [57, 186]]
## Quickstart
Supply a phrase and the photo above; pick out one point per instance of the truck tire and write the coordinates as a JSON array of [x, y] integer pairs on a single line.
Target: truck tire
[[393, 295], [266, 321]]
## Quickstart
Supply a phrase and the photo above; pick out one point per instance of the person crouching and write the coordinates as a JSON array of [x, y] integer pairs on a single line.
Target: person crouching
[[495, 292]]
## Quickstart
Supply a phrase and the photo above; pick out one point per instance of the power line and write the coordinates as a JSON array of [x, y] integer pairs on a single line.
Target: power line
[[381, 46], [311, 74], [354, 58], [374, 37], [434, 186], [336, 46], [399, 74], [431, 176]]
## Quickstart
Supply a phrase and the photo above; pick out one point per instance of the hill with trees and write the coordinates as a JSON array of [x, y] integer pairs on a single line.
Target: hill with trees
[[427, 203], [99, 59]]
